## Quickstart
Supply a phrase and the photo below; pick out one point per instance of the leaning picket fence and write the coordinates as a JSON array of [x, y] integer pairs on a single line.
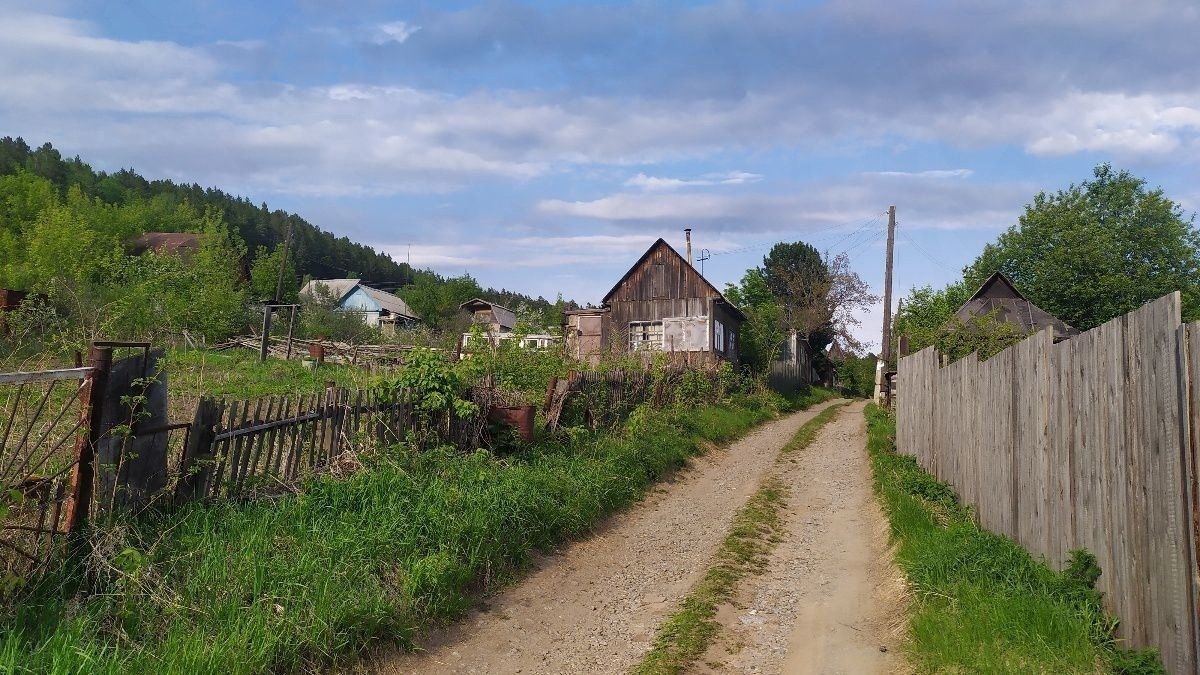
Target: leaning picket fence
[[1090, 443]]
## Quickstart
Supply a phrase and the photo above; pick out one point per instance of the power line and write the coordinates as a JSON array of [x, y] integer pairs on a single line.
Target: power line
[[925, 253], [828, 229]]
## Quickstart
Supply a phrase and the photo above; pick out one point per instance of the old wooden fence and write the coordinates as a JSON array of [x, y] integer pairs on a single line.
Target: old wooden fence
[[241, 448], [94, 441], [1090, 443]]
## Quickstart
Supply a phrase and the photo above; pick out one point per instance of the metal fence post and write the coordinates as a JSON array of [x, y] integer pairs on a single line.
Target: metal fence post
[[83, 476]]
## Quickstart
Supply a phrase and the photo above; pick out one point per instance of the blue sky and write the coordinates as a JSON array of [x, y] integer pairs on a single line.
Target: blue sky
[[543, 146]]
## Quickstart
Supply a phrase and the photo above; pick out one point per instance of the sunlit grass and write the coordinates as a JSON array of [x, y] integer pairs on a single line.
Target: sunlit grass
[[981, 603], [313, 579]]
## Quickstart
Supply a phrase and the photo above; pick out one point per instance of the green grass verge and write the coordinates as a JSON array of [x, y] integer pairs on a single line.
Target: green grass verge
[[687, 633], [807, 398], [312, 579], [981, 603]]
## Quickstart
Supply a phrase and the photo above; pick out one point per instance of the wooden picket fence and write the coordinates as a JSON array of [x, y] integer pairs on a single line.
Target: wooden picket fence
[[241, 448], [1090, 443], [93, 442]]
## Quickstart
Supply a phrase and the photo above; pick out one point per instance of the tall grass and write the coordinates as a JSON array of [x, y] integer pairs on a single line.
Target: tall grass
[[314, 578], [982, 604]]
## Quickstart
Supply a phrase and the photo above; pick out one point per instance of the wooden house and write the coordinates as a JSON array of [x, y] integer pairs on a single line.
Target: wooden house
[[498, 324], [377, 308], [492, 317], [662, 304], [999, 295]]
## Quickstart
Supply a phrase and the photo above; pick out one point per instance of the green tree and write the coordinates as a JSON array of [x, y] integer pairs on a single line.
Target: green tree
[[857, 374], [264, 275], [799, 281], [1097, 250], [926, 313], [763, 332]]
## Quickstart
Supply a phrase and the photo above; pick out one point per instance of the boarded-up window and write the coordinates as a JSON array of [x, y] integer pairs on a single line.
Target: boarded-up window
[[645, 335], [589, 335], [589, 325], [686, 334]]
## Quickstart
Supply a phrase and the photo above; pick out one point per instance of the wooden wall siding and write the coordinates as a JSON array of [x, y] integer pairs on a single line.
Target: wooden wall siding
[[662, 274], [622, 312], [1090, 443]]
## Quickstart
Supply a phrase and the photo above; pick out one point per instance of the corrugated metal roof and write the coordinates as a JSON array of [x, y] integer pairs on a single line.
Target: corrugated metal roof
[[391, 303], [344, 287]]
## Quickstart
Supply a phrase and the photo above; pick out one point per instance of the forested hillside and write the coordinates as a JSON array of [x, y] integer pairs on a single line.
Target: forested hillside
[[65, 230]]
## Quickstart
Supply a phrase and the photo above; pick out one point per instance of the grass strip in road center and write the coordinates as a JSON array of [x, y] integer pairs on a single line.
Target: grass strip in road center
[[687, 633], [804, 437]]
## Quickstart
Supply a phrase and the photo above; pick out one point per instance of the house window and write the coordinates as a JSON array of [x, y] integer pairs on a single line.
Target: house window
[[645, 335], [718, 336]]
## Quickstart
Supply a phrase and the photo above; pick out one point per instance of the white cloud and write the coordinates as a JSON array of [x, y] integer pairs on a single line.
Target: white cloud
[[175, 111], [927, 201], [934, 173], [394, 31], [656, 183]]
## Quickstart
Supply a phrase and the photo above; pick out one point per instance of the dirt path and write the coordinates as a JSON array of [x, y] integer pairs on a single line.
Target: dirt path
[[830, 600], [594, 608]]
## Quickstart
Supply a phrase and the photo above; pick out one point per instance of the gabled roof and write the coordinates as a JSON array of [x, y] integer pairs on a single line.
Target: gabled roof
[[340, 288], [504, 316], [392, 303], [1000, 295], [650, 251]]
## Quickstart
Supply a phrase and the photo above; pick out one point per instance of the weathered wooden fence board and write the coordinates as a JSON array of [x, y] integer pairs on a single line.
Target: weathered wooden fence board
[[1090, 443]]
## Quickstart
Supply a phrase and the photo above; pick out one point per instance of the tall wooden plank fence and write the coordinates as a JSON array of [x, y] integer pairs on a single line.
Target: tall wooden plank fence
[[1090, 443]]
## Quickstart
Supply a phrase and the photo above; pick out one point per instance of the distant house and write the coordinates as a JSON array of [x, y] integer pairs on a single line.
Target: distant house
[[378, 308], [165, 243], [493, 317], [998, 294], [497, 324], [796, 355], [662, 304]]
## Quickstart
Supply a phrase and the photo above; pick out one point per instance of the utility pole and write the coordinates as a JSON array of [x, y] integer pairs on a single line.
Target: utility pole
[[269, 307], [287, 238], [885, 350]]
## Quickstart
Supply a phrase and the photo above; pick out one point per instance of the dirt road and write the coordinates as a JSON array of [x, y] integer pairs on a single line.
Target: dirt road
[[830, 600], [594, 607]]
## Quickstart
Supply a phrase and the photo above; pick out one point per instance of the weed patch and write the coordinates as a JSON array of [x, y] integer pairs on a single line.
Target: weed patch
[[982, 604]]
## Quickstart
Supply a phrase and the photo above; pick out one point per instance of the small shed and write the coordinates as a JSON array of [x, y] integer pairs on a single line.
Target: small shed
[[493, 317], [661, 304], [999, 295]]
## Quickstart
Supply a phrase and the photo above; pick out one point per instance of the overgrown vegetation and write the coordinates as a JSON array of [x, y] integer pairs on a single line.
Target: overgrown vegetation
[[797, 291], [67, 236], [1086, 254], [981, 603], [688, 632], [311, 579]]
